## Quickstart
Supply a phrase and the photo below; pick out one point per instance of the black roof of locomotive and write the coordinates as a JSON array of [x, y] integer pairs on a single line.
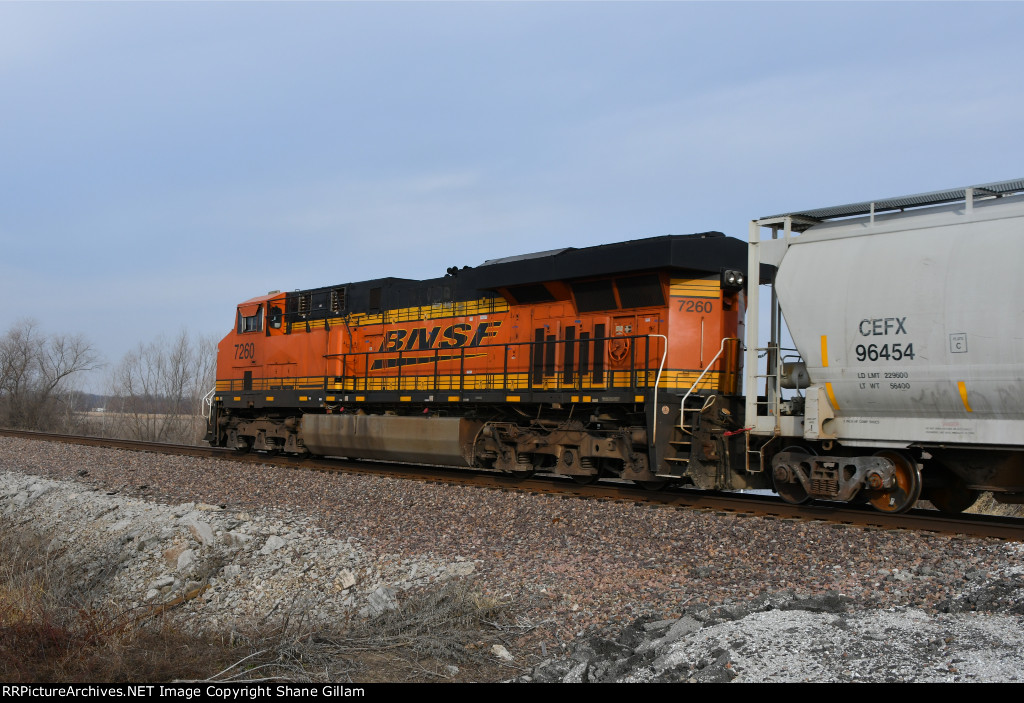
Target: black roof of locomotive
[[703, 253], [706, 252]]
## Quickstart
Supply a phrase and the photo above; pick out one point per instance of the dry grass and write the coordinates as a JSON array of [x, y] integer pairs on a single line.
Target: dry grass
[[54, 628], [987, 505]]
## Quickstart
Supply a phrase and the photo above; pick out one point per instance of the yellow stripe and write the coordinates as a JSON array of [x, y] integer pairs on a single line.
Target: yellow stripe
[[512, 398], [482, 306], [824, 351], [612, 379], [689, 286], [405, 398], [638, 398], [963, 395], [453, 399], [831, 396]]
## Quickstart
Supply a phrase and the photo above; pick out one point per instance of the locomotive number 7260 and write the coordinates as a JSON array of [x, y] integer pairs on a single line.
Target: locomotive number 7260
[[245, 351], [692, 305]]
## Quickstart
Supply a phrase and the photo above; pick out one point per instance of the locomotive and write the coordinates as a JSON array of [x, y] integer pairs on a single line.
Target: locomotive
[[627, 360], [571, 361]]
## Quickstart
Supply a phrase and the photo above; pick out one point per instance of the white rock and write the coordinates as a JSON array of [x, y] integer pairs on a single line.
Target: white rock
[[165, 580], [273, 543], [461, 568], [380, 601], [501, 653], [186, 559], [346, 579], [202, 531]]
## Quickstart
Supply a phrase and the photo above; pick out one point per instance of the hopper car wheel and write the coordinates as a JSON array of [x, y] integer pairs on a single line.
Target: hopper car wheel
[[584, 479], [907, 490], [948, 492], [793, 493], [954, 502]]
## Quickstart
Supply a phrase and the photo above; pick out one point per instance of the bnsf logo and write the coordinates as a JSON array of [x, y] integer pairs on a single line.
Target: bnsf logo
[[425, 338]]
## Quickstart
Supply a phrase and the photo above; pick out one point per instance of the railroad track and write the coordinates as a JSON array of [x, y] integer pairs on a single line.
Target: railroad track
[[969, 525]]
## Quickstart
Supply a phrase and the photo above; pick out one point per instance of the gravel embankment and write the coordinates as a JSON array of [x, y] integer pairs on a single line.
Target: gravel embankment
[[570, 567]]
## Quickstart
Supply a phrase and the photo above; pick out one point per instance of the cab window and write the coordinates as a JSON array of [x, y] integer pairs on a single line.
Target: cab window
[[274, 318], [250, 323]]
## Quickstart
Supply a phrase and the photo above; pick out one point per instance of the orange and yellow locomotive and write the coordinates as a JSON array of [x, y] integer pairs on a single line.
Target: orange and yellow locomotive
[[620, 360]]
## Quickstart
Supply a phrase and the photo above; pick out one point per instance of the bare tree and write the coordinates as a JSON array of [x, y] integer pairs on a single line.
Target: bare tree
[[36, 373], [157, 389]]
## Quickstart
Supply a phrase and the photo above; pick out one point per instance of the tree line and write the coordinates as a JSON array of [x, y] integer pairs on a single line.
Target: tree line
[[154, 393]]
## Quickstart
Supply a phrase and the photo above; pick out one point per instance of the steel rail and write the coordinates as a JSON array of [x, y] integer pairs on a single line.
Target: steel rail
[[740, 504]]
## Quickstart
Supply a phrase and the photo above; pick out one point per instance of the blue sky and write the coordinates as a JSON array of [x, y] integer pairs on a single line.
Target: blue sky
[[160, 162]]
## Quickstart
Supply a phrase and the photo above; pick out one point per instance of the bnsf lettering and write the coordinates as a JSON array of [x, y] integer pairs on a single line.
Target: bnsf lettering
[[882, 326], [483, 331], [393, 340], [424, 338], [455, 336], [419, 339]]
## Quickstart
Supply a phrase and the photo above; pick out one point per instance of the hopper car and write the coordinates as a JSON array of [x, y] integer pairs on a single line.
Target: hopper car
[[893, 366]]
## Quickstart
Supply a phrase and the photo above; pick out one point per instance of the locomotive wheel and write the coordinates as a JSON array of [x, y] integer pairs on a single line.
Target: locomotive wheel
[[907, 490], [793, 493], [652, 485], [523, 470]]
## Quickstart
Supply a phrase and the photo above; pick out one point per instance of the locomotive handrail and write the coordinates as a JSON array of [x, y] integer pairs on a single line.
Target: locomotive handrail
[[657, 382], [682, 403], [548, 368], [206, 404]]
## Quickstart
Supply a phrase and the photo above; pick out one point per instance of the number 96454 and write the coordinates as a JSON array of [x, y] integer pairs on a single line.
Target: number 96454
[[889, 352]]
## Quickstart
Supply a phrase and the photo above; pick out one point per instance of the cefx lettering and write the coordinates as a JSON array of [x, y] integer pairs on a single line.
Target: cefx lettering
[[882, 326]]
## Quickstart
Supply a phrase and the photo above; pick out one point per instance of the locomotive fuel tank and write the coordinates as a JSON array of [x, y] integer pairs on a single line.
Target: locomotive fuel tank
[[436, 440]]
